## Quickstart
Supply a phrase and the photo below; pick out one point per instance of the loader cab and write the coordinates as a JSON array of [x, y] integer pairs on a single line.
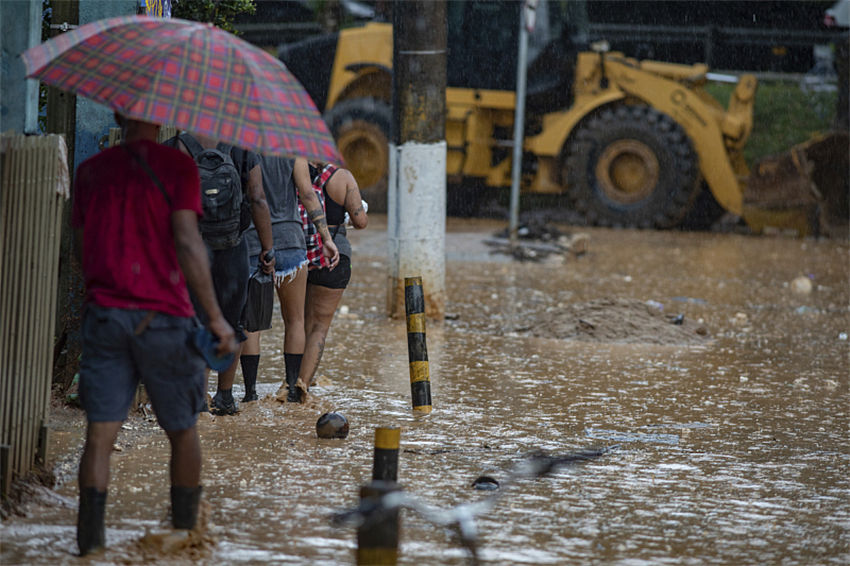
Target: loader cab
[[483, 40]]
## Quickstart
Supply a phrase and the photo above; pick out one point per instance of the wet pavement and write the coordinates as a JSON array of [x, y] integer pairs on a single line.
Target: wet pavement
[[732, 450]]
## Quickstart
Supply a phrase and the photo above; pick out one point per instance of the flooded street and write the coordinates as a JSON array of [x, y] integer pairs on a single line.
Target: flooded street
[[732, 448]]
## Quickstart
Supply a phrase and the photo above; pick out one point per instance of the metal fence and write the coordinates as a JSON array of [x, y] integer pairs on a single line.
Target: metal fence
[[35, 184], [730, 48]]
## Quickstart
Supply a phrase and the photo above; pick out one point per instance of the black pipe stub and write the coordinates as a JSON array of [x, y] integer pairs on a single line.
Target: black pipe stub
[[485, 483], [332, 425]]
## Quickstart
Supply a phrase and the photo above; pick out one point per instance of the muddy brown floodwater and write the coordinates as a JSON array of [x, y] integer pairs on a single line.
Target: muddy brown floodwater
[[731, 427]]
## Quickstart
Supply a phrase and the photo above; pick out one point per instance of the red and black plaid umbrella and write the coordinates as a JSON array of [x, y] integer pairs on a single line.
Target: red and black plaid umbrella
[[194, 76]]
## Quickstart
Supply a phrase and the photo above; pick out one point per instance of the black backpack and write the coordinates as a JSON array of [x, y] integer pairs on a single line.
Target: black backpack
[[221, 193]]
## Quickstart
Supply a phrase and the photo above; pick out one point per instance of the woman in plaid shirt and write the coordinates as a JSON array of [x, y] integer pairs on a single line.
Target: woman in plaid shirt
[[338, 190]]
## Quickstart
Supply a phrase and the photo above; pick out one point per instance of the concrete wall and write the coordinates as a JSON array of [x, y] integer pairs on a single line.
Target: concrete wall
[[93, 119], [20, 29]]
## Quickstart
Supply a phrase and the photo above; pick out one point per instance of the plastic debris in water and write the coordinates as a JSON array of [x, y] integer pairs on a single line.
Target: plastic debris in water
[[801, 285], [617, 436], [655, 305], [690, 300], [485, 483]]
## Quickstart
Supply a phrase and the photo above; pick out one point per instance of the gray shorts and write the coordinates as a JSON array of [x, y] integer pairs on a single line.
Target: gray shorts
[[115, 360]]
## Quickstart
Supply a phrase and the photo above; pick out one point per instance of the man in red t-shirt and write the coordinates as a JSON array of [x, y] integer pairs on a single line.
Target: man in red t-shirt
[[135, 219]]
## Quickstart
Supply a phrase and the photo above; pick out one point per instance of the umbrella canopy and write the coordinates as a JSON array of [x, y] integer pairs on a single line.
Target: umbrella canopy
[[194, 76]]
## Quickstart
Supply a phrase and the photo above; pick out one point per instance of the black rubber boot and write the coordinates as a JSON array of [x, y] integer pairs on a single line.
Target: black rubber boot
[[250, 364], [184, 506], [293, 366], [91, 533]]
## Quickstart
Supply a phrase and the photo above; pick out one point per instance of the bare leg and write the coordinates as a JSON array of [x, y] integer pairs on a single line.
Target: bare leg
[[226, 377], [94, 463], [321, 303], [93, 480], [185, 457], [251, 346], [185, 476], [291, 296]]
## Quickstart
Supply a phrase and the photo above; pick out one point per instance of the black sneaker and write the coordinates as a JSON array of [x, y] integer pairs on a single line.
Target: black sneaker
[[224, 406], [250, 396]]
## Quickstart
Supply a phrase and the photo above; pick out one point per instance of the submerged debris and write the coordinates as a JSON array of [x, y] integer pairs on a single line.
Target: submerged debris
[[618, 436], [537, 240]]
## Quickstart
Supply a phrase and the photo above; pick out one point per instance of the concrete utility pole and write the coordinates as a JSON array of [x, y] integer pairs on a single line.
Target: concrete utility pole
[[62, 119], [416, 200], [61, 105]]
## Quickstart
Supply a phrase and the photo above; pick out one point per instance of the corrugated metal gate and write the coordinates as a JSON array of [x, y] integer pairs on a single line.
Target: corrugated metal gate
[[35, 184]]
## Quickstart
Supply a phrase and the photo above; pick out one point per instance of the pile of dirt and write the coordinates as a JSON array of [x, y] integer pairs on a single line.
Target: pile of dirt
[[625, 321]]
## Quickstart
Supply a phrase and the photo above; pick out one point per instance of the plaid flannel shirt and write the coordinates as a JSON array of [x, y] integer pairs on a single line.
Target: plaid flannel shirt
[[315, 257]]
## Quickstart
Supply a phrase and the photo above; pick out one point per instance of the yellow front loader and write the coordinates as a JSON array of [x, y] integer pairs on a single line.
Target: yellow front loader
[[630, 143]]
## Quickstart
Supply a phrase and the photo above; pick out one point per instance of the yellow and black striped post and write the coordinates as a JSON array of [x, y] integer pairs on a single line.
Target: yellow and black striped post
[[385, 464], [378, 535], [420, 379]]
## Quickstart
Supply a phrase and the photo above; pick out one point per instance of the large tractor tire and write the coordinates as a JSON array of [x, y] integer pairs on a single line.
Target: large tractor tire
[[361, 127], [631, 166]]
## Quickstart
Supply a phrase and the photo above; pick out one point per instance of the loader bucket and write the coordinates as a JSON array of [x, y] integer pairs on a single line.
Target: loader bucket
[[804, 190]]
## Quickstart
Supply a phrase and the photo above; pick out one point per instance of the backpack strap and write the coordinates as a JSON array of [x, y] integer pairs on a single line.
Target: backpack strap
[[193, 145], [141, 161]]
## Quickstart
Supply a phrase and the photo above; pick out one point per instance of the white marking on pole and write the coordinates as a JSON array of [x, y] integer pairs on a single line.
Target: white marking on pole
[[416, 222]]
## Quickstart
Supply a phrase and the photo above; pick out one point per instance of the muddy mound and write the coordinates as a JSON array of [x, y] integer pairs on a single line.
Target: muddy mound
[[627, 321]]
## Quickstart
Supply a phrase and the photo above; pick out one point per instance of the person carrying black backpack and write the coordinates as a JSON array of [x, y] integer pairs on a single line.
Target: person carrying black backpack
[[231, 195]]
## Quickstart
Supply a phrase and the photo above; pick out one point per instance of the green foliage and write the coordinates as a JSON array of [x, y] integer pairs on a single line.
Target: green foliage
[[784, 115], [220, 13]]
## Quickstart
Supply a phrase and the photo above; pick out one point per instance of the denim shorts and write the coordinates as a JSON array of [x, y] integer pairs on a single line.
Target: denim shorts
[[287, 262], [115, 359]]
